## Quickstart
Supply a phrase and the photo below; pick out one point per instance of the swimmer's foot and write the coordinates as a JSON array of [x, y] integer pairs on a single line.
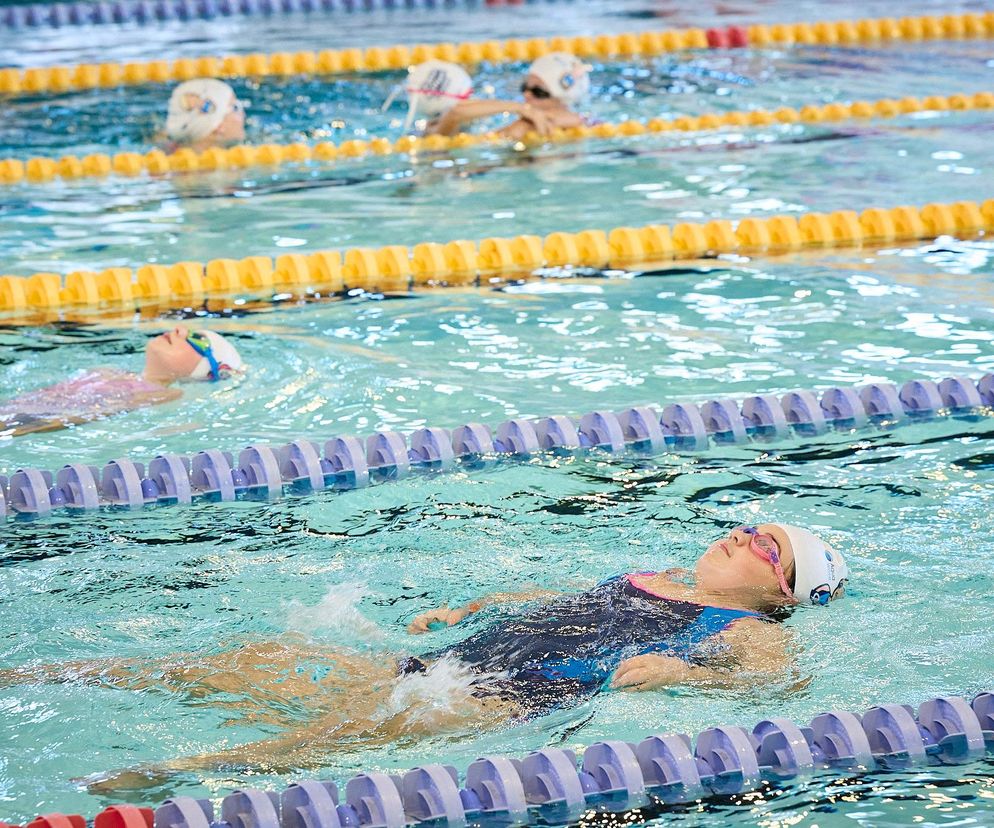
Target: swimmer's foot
[[131, 779]]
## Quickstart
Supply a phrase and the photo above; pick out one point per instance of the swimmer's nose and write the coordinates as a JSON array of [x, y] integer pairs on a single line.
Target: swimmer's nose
[[738, 537], [181, 332]]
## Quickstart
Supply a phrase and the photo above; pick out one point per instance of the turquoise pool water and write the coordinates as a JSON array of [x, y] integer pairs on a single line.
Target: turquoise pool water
[[910, 506]]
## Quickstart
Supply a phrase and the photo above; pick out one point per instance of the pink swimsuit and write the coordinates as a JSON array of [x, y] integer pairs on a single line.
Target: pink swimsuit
[[92, 394]]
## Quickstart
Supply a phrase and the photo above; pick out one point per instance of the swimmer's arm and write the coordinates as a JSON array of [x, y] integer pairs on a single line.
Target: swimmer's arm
[[466, 112], [451, 616], [761, 652]]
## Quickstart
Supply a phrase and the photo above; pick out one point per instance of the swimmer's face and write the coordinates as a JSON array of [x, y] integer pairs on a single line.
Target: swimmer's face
[[169, 357], [531, 83], [730, 566], [232, 128]]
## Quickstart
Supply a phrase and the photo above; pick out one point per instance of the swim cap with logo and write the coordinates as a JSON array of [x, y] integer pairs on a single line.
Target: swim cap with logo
[[219, 359], [197, 108], [820, 572], [564, 75], [433, 88]]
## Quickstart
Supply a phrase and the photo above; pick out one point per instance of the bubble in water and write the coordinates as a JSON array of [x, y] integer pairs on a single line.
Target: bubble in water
[[336, 617]]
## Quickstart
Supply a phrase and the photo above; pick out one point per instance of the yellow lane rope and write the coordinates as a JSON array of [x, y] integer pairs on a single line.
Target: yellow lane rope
[[98, 165], [378, 58], [398, 268]]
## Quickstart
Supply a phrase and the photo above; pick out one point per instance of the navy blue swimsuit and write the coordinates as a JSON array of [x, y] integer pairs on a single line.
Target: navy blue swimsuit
[[565, 650]]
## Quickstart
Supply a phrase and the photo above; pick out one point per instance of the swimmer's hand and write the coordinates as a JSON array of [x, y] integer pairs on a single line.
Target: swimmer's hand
[[649, 672], [540, 123], [442, 615]]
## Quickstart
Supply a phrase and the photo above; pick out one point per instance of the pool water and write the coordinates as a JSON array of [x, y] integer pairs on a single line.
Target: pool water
[[910, 506]]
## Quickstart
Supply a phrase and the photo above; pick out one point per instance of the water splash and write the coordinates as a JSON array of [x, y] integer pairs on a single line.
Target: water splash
[[336, 617], [443, 687]]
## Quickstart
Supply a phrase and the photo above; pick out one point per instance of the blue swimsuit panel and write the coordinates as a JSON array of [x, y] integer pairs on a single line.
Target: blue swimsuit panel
[[566, 650]]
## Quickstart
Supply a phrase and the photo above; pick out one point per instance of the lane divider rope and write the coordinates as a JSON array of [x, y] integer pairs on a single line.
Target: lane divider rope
[[266, 473], [150, 12], [35, 80], [396, 268], [42, 169], [549, 786]]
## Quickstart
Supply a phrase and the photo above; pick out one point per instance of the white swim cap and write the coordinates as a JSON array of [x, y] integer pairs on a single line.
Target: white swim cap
[[820, 573], [433, 88], [197, 107], [219, 359], [564, 75]]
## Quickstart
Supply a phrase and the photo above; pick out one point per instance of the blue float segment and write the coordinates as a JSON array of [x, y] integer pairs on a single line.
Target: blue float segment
[[602, 430], [496, 788], [184, 812], [310, 804], [803, 411], [783, 748], [472, 439], [431, 792], [76, 487], [550, 778], [211, 474], [386, 453], [723, 418], [839, 739], [881, 399], [250, 808], [432, 446], [729, 755], [959, 393], [843, 405], [683, 423], [615, 771], [765, 413], [920, 397], [557, 432], [171, 475], [375, 800], [893, 734], [953, 728], [516, 437], [345, 460], [985, 387], [300, 464], [640, 425], [668, 762], [121, 483], [259, 470], [29, 491]]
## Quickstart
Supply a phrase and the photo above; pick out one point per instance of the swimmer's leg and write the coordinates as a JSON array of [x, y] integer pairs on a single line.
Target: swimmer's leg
[[358, 722], [257, 670]]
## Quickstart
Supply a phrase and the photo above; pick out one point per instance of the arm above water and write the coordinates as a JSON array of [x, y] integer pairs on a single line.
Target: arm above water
[[760, 651], [451, 616], [466, 112]]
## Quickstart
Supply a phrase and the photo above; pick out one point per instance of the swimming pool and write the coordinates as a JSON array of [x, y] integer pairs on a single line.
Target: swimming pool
[[910, 506]]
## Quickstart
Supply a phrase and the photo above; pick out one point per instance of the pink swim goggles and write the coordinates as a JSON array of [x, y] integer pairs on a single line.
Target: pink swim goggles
[[765, 547]]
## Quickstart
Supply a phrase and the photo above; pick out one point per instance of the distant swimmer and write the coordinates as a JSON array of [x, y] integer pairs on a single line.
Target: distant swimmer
[[204, 113], [440, 98], [174, 356]]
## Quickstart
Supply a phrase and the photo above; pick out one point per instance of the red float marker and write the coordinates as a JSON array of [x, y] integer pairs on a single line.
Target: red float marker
[[57, 821], [717, 38], [737, 36], [124, 816]]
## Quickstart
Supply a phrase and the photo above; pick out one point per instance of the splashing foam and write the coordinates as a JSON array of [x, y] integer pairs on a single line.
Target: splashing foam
[[336, 617], [443, 688]]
